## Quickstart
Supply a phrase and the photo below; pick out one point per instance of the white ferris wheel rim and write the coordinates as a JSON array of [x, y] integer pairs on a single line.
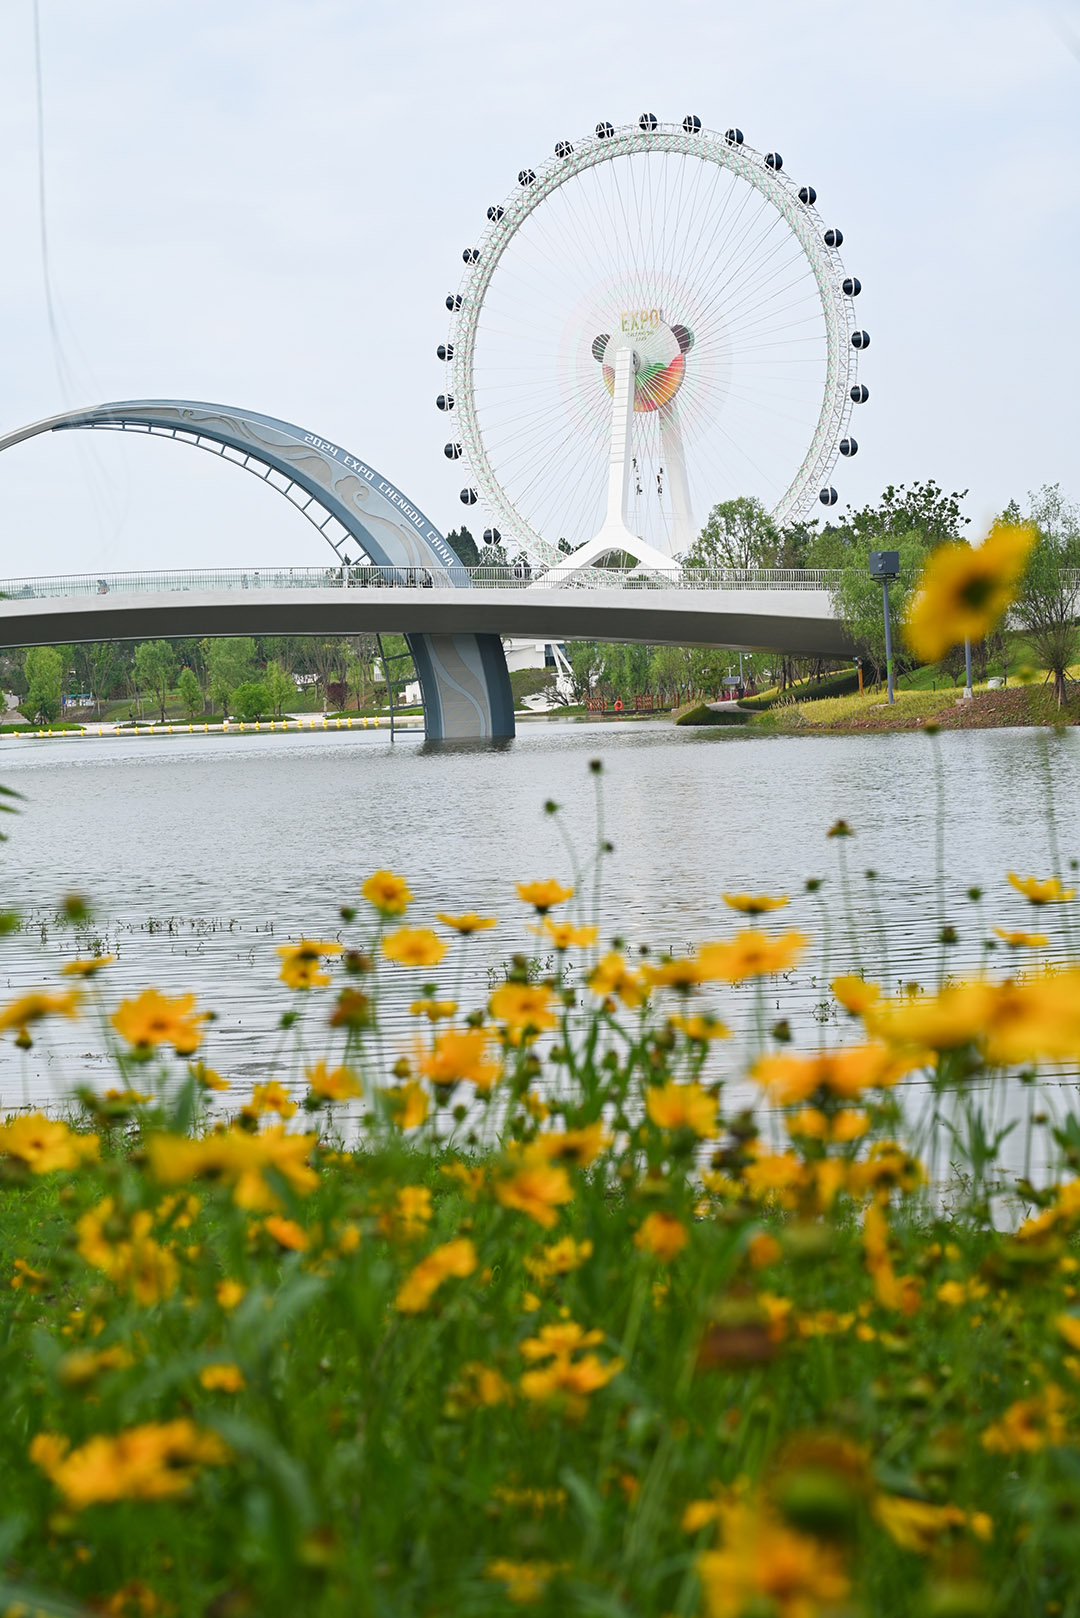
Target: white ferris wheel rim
[[739, 159]]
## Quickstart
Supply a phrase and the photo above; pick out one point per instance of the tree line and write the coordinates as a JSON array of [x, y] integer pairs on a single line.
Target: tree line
[[239, 676]]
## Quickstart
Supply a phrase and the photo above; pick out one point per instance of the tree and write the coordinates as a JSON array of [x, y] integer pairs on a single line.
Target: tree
[[492, 556], [99, 668], [463, 545], [280, 687], [585, 663], [155, 670], [228, 663], [739, 534], [858, 597], [191, 693], [250, 699], [1049, 600], [44, 684]]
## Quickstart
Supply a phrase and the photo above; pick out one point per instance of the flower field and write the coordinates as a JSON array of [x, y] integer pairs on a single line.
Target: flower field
[[528, 1311]]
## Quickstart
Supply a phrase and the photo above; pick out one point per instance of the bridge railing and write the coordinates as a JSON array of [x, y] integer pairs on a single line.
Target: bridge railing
[[364, 577]]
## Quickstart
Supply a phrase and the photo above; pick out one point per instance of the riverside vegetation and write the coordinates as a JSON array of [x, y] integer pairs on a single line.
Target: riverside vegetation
[[570, 1302]]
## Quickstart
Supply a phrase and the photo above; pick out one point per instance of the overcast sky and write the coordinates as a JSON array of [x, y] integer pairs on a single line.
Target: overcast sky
[[264, 203]]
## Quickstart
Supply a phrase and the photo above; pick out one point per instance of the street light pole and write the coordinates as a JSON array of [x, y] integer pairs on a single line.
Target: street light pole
[[885, 565], [968, 691]]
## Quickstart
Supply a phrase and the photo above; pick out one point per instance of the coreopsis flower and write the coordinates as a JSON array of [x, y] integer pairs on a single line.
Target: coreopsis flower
[[461, 1053], [919, 1525], [1036, 892], [1029, 1424], [1021, 940], [569, 1375], [414, 946], [206, 1078], [333, 1084], [763, 1563], [27, 1279], [754, 904], [1009, 1023], [537, 1189], [612, 977], [410, 1214], [126, 1251], [156, 1461], [701, 1030], [481, 1385], [563, 935], [300, 962], [662, 1235], [855, 994], [523, 1009], [763, 1250], [287, 1233], [352, 1010], [238, 1159], [46, 1145], [434, 1010], [388, 893], [86, 966], [222, 1377], [887, 1166], [454, 1258], [543, 896], [84, 1365], [524, 1582], [1068, 1327], [844, 1073], [32, 1008], [749, 954], [407, 1104], [560, 1258], [678, 972], [468, 922], [964, 590], [271, 1097], [682, 1106], [229, 1293], [892, 1291], [155, 1019], [580, 1146], [810, 1123], [775, 1176], [469, 1179]]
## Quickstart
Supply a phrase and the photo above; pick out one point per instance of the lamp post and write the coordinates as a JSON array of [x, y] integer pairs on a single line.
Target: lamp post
[[885, 565], [968, 691]]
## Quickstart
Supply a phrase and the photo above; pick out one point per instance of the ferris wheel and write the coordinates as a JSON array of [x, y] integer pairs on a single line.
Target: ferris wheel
[[654, 320]]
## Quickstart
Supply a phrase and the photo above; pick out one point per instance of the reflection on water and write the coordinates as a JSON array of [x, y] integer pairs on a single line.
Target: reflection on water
[[202, 854]]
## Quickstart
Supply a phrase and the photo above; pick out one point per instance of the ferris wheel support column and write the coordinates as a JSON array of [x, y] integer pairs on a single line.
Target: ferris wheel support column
[[683, 532]]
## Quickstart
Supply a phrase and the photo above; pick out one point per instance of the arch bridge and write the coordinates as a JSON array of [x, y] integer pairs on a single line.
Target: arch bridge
[[395, 573]]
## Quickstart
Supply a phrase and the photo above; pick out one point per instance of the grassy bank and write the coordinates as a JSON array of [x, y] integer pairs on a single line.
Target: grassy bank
[[913, 710]]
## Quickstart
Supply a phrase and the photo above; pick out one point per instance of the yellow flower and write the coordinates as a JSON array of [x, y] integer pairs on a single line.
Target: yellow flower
[[1029, 1424], [537, 1189], [45, 1144], [846, 1072], [84, 1365], [157, 1019], [565, 1380], [126, 1252], [408, 1104], [229, 1293], [846, 1125], [561, 1258], [86, 967], [1010, 1022], [272, 1097], [433, 1010], [682, 1106], [206, 1078], [854, 994], [154, 1462], [388, 893], [333, 1084], [414, 946], [27, 1279], [612, 976], [222, 1378], [483, 1385], [749, 954], [238, 1159], [525, 1582], [662, 1235], [31, 1008], [461, 1053], [287, 1233], [754, 904], [455, 1258], [523, 1009], [563, 935], [543, 896], [964, 590], [1068, 1327], [578, 1146], [762, 1564], [300, 962], [410, 1215], [918, 1525], [701, 1029], [1049, 892], [1017, 940], [467, 923], [763, 1250]]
